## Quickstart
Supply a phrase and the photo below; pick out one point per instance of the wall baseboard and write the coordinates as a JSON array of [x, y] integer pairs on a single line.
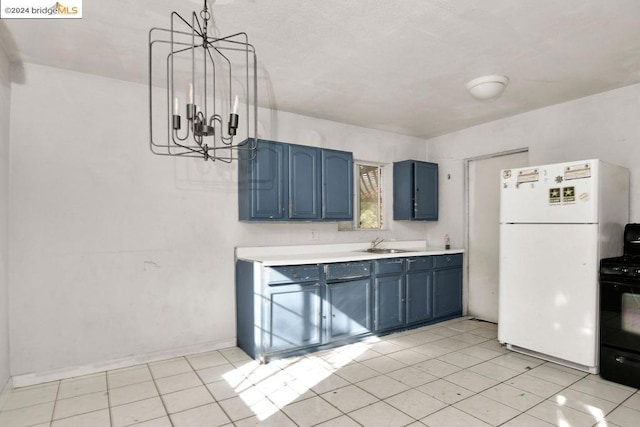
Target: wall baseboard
[[24, 380], [5, 392]]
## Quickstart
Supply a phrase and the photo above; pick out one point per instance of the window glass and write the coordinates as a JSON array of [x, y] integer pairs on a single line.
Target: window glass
[[370, 198]]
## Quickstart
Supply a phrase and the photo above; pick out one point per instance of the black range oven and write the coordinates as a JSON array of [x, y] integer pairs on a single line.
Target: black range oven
[[620, 312]]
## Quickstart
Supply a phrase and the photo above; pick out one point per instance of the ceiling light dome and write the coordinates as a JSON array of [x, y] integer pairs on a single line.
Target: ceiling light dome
[[487, 87]]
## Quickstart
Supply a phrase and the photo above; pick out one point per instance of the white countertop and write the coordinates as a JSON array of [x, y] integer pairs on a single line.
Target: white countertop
[[339, 252]]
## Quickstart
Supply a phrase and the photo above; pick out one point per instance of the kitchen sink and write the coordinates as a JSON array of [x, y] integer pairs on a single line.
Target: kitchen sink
[[383, 251]]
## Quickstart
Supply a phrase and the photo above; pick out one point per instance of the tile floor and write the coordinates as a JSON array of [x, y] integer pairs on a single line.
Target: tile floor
[[450, 374]]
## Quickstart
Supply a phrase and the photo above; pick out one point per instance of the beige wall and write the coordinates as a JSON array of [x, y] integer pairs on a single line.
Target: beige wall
[[605, 126], [5, 99], [117, 252]]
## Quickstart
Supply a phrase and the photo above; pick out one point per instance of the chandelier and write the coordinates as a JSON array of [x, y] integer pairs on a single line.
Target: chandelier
[[208, 75]]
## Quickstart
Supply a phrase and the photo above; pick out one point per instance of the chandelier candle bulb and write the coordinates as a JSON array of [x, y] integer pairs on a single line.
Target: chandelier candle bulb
[[176, 109], [235, 106], [190, 93]]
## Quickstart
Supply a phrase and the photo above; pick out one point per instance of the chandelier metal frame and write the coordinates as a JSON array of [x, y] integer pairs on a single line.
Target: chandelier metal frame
[[203, 135]]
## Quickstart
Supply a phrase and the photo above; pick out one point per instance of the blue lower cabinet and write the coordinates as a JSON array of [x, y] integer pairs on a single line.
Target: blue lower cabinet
[[447, 285], [288, 310], [293, 317], [403, 291], [447, 292], [389, 302], [419, 300], [348, 310]]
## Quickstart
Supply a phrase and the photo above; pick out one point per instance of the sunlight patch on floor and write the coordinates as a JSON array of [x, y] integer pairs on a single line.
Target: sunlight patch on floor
[[286, 380]]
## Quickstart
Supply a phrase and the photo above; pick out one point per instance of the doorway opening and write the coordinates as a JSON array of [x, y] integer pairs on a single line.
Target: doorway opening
[[482, 231]]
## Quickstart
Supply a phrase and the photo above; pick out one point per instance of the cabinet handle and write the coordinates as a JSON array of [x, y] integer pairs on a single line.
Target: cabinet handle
[[411, 261]]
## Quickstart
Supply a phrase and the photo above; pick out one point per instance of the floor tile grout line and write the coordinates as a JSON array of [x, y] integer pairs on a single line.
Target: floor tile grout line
[[382, 399], [216, 401], [342, 414], [474, 393], [504, 381], [544, 399], [153, 378], [2, 410], [106, 374], [238, 363], [55, 401]]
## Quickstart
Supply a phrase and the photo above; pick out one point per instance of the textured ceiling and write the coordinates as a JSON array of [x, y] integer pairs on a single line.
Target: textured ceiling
[[395, 65]]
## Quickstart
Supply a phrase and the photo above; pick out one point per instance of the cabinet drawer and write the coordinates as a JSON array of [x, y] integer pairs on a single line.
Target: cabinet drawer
[[420, 263], [292, 274], [347, 270], [389, 266], [447, 260]]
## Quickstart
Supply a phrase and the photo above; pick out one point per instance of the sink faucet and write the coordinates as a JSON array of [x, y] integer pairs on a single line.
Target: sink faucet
[[376, 242]]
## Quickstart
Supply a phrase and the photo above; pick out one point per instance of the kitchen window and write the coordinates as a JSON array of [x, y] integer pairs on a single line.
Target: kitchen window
[[369, 196]]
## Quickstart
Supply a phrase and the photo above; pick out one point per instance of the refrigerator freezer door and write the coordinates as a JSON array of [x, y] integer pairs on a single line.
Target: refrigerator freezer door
[[558, 193], [549, 290]]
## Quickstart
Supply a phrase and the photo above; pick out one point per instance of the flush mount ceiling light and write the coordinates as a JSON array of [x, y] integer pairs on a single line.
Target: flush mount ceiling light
[[207, 74], [487, 87]]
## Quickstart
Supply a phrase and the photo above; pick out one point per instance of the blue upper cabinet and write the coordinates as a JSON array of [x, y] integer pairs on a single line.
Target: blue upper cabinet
[[337, 185], [287, 182], [426, 191], [415, 191], [261, 184], [304, 182]]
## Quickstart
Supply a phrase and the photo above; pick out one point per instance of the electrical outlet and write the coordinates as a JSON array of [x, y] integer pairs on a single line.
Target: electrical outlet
[[315, 235]]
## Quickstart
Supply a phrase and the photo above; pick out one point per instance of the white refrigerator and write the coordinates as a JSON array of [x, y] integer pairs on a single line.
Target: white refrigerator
[[556, 223]]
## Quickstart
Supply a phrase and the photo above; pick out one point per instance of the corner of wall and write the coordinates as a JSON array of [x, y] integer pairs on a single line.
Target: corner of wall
[[5, 391], [5, 110]]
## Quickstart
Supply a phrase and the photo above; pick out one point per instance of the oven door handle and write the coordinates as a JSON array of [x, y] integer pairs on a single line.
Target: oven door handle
[[626, 361]]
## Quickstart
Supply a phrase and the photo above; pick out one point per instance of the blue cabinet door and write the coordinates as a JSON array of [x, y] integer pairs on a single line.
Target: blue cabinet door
[[426, 191], [262, 184], [415, 191], [403, 190], [337, 185], [348, 311], [447, 292], [292, 317], [389, 302], [304, 182], [419, 296]]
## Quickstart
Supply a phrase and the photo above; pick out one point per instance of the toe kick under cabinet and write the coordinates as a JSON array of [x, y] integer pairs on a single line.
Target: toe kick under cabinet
[[295, 309]]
